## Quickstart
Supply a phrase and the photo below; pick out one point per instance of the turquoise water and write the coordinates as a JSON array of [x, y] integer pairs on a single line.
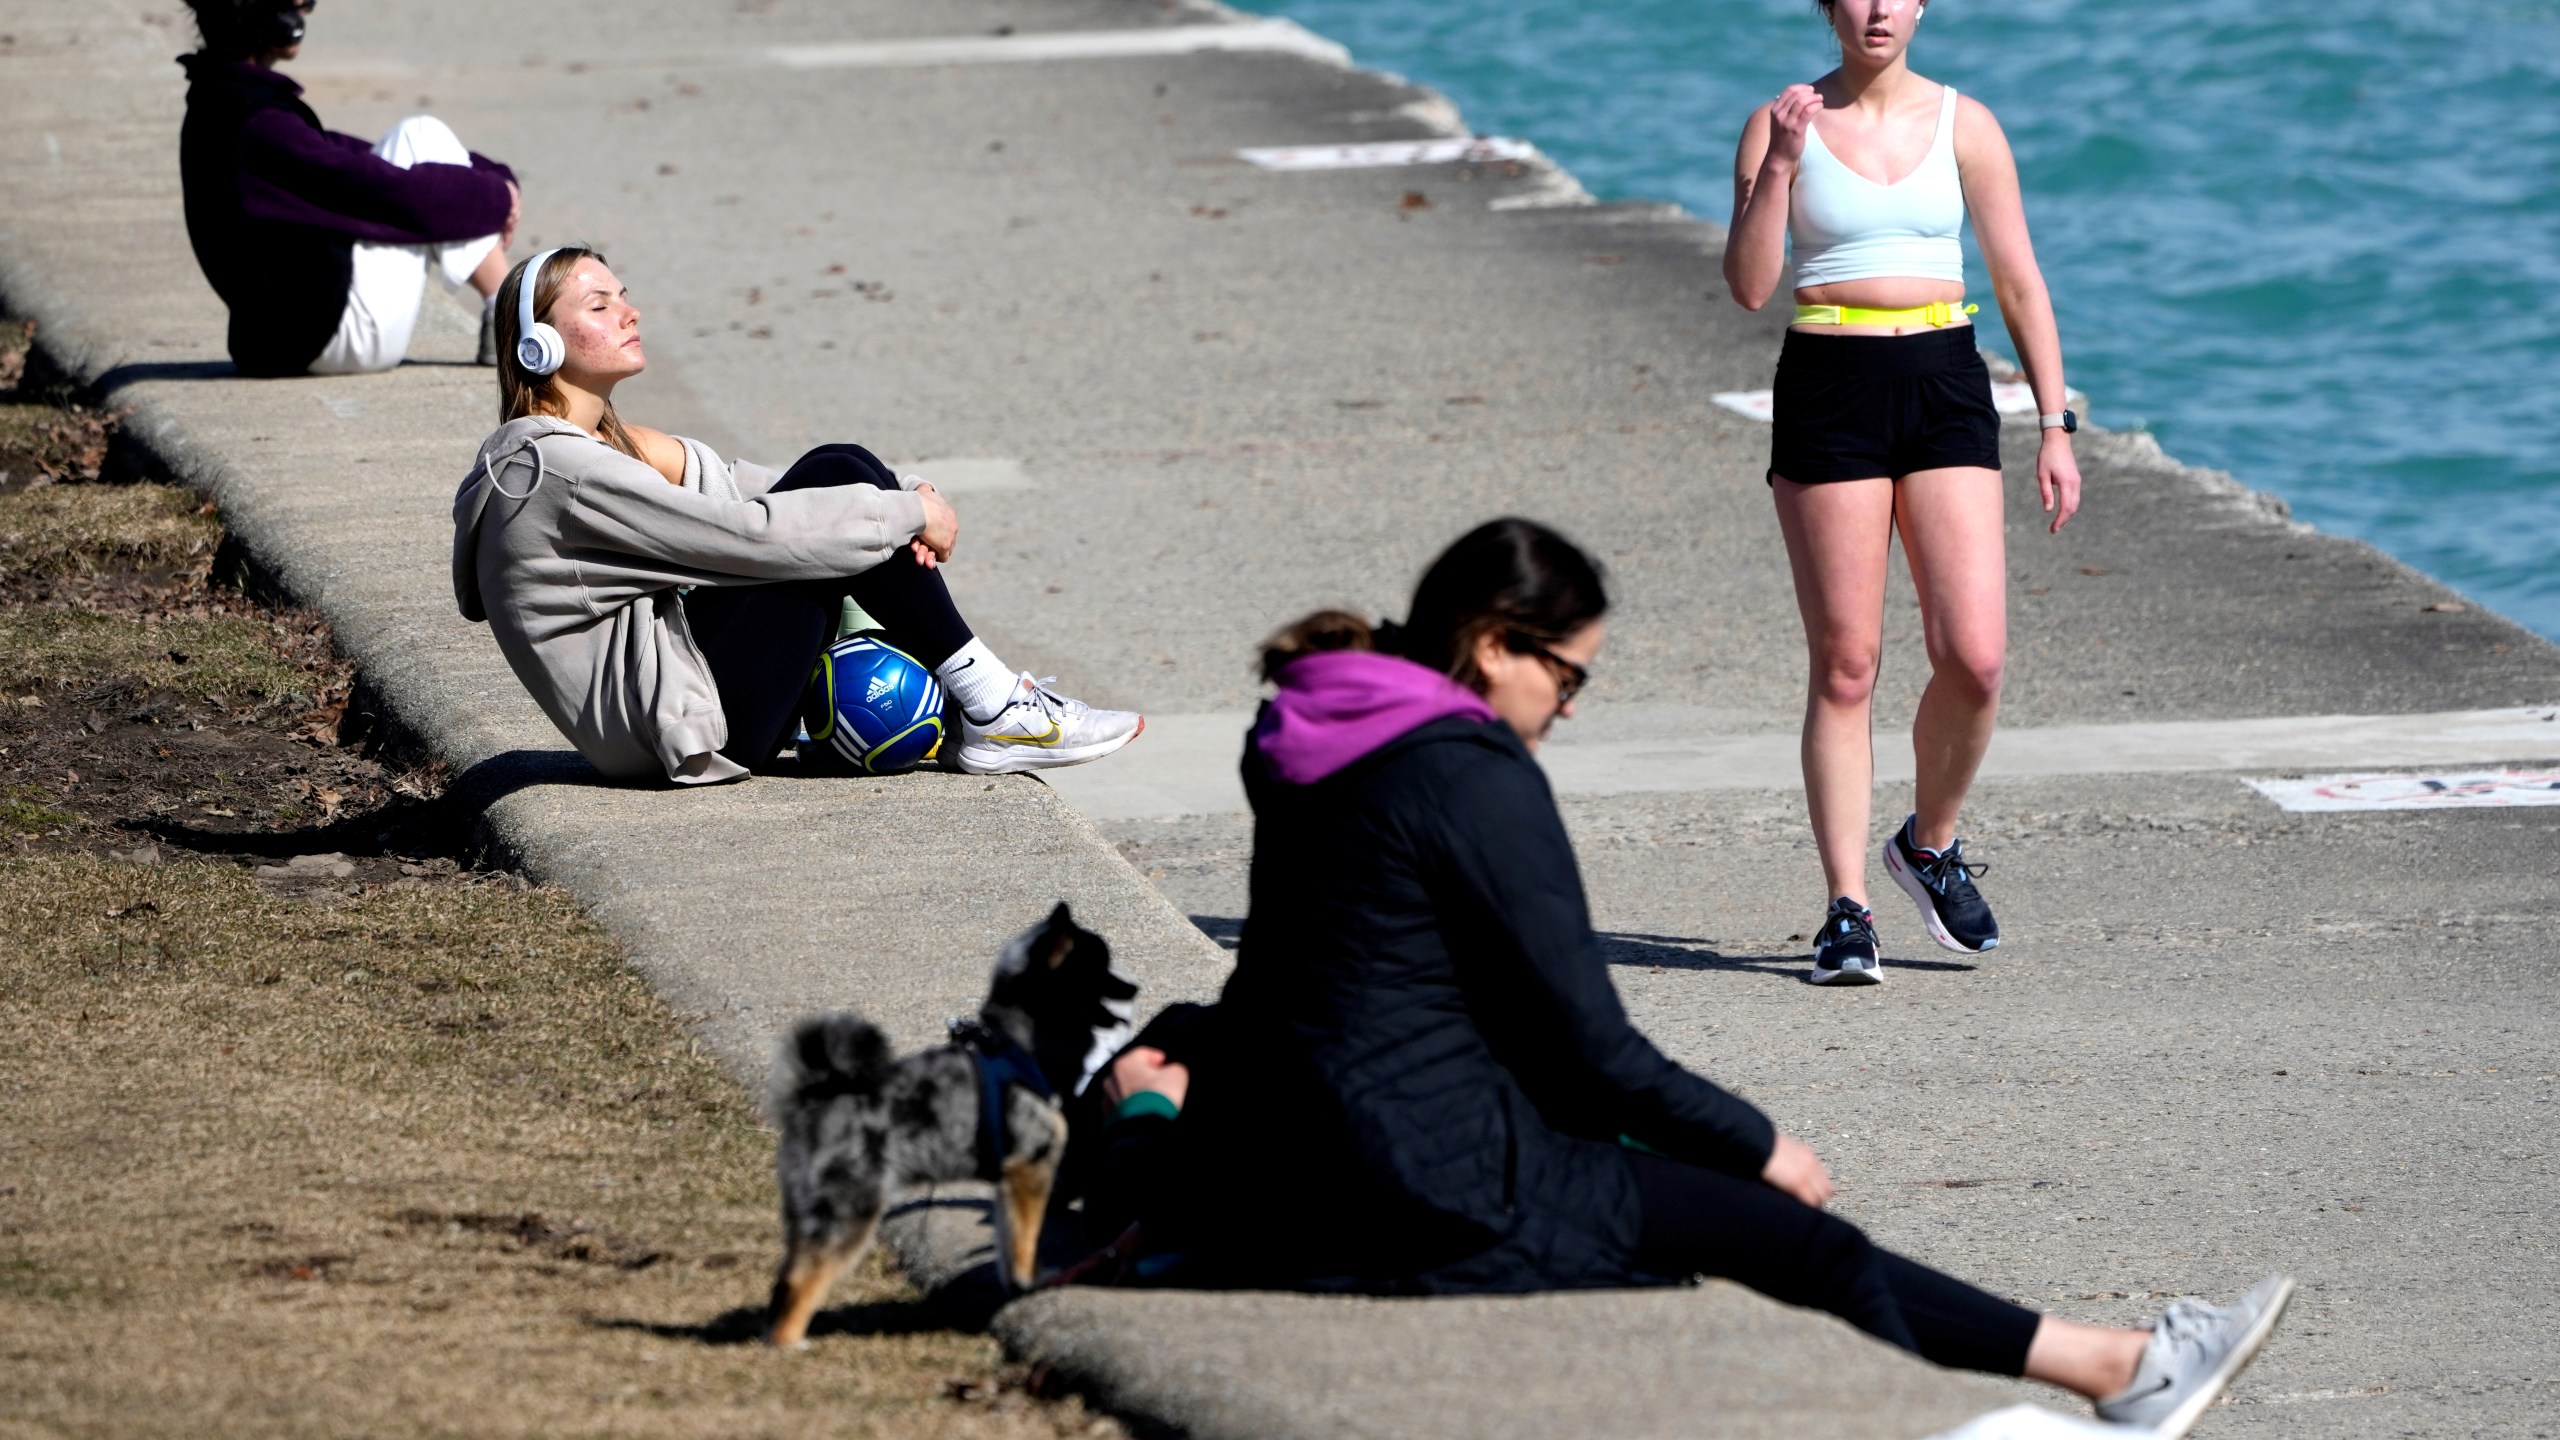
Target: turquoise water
[[2314, 245]]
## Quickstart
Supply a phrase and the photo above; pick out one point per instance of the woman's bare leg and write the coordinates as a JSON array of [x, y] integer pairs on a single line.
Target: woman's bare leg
[[2095, 1360], [1838, 535], [1951, 534]]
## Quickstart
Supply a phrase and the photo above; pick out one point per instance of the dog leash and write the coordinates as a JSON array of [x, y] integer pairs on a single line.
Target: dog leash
[[1110, 1265]]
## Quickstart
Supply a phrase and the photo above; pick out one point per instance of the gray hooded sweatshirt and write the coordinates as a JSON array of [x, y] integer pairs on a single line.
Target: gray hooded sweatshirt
[[577, 555]]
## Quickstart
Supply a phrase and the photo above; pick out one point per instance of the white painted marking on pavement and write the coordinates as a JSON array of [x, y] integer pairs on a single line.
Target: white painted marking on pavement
[[2449, 791], [1476, 150], [1183, 765], [973, 475], [1760, 405], [2009, 397], [53, 150], [2283, 742], [1283, 37], [1186, 764]]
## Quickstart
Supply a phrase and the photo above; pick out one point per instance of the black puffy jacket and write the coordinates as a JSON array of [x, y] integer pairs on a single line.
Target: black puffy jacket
[[1419, 1076]]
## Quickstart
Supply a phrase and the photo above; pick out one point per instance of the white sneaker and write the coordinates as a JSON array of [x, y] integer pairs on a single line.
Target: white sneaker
[[1042, 730]]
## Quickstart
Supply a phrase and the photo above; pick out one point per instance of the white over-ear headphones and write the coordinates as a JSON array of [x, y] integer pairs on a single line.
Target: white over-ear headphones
[[539, 348]]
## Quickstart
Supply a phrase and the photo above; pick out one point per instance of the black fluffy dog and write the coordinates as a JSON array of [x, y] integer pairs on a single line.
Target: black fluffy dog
[[859, 1128]]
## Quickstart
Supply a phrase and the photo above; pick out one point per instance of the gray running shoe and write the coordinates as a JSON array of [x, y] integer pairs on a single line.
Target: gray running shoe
[[488, 354], [2195, 1351]]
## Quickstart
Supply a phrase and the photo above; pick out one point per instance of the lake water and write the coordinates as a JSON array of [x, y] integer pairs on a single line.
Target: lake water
[[2315, 245]]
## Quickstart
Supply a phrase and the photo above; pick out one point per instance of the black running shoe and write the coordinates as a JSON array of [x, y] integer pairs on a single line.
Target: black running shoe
[[1940, 882], [1845, 952]]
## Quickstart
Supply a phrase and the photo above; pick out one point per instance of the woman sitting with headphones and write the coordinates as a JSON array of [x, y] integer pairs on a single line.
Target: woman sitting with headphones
[[666, 607]]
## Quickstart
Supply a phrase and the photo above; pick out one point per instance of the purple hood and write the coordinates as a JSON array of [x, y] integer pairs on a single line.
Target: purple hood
[[1338, 705]]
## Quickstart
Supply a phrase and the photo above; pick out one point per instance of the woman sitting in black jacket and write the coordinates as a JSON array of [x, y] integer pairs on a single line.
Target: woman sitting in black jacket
[[1420, 1080]]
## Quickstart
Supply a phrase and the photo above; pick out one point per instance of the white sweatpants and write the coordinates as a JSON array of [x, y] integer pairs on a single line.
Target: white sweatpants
[[390, 281]]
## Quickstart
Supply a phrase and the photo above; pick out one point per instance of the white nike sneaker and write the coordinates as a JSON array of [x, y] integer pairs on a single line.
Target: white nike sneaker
[[1042, 730]]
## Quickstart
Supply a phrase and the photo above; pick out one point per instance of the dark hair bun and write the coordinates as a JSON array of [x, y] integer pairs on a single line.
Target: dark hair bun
[[1314, 634], [237, 28], [1510, 575]]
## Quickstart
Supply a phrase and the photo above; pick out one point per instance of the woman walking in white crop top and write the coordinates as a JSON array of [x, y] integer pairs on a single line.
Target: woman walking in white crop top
[[1884, 425]]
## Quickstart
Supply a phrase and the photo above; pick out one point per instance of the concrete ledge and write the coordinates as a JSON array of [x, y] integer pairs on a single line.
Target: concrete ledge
[[1713, 1360], [1710, 1360]]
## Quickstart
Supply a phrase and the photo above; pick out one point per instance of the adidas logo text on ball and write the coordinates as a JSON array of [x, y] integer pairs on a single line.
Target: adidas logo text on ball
[[880, 685]]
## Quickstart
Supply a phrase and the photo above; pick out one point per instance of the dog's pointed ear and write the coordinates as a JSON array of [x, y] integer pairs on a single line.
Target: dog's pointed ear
[[1057, 938]]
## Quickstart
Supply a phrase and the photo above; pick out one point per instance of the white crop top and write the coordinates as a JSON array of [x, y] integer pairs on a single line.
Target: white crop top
[[1848, 227]]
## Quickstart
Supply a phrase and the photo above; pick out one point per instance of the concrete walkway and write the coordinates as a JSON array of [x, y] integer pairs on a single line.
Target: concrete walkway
[[1182, 398], [1190, 768]]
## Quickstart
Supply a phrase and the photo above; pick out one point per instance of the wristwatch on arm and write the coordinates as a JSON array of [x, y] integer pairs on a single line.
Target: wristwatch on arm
[[2068, 422]]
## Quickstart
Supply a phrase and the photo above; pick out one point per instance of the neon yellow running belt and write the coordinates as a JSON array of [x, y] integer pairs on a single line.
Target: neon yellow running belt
[[1936, 313]]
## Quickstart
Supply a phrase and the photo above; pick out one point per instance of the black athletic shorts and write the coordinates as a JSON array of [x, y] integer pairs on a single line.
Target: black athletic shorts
[[1860, 407]]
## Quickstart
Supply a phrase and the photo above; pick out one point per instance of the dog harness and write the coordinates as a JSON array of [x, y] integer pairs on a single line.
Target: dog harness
[[1001, 1061]]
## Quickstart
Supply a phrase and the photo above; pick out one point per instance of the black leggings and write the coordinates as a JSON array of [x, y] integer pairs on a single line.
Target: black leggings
[[763, 640], [1700, 1222]]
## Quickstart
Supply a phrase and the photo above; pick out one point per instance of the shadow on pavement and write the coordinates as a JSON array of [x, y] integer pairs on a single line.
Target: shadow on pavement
[[509, 771], [1892, 964], [145, 370], [447, 824], [1625, 947], [1689, 952]]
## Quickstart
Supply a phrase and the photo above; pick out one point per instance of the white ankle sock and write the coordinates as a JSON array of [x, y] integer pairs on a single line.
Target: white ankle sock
[[979, 681]]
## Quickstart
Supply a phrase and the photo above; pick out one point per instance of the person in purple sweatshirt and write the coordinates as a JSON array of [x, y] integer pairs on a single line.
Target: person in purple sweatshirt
[[1419, 1079], [321, 243]]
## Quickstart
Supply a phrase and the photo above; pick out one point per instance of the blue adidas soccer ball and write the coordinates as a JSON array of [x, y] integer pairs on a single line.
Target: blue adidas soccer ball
[[871, 709]]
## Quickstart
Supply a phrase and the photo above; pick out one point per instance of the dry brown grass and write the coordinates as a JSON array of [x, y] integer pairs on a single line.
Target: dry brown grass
[[103, 588], [49, 531], [41, 440], [14, 336], [231, 656], [426, 1162]]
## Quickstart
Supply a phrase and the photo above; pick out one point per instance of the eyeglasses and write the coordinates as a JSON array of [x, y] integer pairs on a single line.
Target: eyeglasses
[[1570, 677]]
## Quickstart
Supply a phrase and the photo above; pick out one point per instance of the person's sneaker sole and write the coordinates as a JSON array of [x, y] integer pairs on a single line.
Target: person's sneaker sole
[[2183, 1419], [1847, 976], [1019, 759], [1910, 883]]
